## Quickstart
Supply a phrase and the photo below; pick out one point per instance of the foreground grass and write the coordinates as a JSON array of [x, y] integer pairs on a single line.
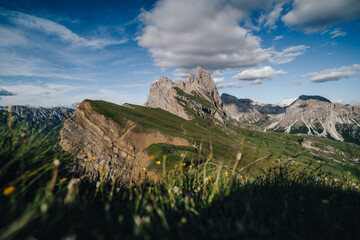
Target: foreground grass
[[48, 201]]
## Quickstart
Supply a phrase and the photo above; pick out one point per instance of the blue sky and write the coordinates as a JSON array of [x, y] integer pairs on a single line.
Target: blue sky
[[55, 53]]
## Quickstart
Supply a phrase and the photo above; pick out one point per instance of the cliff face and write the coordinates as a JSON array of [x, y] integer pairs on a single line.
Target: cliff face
[[320, 117], [198, 96], [103, 147]]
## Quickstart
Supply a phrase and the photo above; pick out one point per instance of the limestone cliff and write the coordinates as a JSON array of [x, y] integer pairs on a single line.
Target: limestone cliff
[[104, 147], [198, 96]]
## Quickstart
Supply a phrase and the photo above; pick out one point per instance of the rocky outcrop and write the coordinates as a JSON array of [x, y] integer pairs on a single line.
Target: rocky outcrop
[[163, 95], [198, 96], [104, 148]]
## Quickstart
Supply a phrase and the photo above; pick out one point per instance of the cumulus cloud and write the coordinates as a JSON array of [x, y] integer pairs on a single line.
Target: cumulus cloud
[[337, 33], [229, 85], [188, 33], [317, 15], [262, 73], [4, 92], [288, 54], [334, 74], [52, 28]]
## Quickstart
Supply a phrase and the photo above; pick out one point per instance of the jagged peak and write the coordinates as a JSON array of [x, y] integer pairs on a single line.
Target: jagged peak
[[315, 97]]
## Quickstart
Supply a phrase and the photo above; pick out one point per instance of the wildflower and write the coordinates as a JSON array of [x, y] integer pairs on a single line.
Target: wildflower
[[9, 190], [241, 177], [176, 165], [182, 155], [152, 157], [63, 180], [164, 157], [143, 169], [183, 164], [97, 184], [135, 189], [56, 162], [102, 171], [211, 155], [225, 174], [4, 113], [176, 189], [157, 162], [43, 208], [325, 201], [156, 177], [190, 166], [209, 177]]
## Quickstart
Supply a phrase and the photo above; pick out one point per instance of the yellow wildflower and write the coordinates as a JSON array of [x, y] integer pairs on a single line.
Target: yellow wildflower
[[63, 180], [164, 157], [152, 157], [158, 163], [176, 165], [143, 169], [182, 155], [211, 155], [241, 177], [156, 177], [9, 190], [183, 164], [209, 177], [225, 174], [190, 166], [4, 113]]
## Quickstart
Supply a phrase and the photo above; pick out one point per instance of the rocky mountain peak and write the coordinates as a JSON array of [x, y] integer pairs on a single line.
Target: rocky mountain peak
[[203, 85]]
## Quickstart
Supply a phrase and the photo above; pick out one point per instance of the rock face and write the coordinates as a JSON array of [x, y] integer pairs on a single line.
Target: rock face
[[318, 116], [198, 96], [105, 148]]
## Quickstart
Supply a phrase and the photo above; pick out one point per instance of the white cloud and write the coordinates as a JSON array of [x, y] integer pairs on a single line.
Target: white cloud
[[334, 74], [255, 82], [187, 33], [288, 54], [273, 16], [229, 85], [297, 82], [287, 101], [49, 27], [252, 74], [336, 100], [317, 15], [278, 38], [219, 80], [337, 33]]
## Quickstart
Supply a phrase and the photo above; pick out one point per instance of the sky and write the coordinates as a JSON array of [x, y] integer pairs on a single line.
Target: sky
[[55, 53]]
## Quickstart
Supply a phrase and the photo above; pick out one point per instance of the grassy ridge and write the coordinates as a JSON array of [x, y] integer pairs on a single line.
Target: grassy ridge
[[201, 202]]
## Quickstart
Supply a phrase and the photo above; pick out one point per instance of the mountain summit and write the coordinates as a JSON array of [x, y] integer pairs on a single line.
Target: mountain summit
[[198, 96]]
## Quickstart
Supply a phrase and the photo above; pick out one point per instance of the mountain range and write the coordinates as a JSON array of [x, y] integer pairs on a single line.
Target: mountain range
[[185, 123]]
